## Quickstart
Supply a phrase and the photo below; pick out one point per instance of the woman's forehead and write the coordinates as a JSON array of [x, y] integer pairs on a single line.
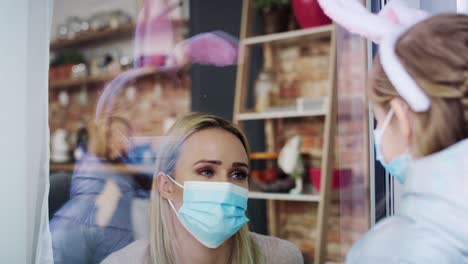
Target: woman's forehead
[[213, 144]]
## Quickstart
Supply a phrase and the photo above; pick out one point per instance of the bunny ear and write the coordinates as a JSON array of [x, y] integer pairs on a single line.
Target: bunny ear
[[405, 85], [352, 15], [213, 48], [154, 33], [400, 14]]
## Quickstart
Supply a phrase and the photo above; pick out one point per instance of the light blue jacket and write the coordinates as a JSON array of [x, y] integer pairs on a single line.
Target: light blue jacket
[[76, 237], [432, 224]]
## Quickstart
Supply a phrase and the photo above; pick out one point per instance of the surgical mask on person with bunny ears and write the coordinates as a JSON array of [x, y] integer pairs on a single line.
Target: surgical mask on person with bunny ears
[[398, 165]]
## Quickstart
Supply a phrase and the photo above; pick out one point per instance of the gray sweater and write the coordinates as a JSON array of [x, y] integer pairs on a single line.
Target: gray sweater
[[275, 250]]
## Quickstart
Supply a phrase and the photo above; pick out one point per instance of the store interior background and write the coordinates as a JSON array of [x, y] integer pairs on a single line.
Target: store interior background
[[212, 90]]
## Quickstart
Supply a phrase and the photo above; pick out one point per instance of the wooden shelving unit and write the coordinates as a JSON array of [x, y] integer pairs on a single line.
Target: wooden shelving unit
[[120, 168], [285, 196], [82, 81], [310, 33], [92, 37], [278, 114], [263, 155], [241, 114]]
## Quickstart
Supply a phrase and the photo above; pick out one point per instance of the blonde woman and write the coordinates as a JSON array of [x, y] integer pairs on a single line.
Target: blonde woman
[[199, 202]]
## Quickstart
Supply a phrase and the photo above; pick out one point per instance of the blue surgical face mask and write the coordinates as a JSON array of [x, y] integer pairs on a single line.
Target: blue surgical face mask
[[212, 211], [398, 166]]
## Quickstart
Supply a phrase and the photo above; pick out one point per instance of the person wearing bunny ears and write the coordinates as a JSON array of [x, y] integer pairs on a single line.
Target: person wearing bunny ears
[[418, 88]]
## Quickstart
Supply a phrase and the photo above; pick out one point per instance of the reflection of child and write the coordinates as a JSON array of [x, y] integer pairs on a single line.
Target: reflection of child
[[110, 139], [419, 90], [96, 221]]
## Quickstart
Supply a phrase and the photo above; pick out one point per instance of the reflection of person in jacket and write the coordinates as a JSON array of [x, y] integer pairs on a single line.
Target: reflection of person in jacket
[[96, 220]]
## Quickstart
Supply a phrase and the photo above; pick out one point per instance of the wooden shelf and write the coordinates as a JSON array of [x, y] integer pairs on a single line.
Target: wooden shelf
[[285, 196], [316, 32], [82, 81], [130, 169], [131, 75], [93, 36], [263, 155], [102, 35], [279, 114], [61, 166]]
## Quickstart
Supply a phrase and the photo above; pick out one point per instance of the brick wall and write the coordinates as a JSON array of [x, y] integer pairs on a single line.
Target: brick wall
[[156, 99]]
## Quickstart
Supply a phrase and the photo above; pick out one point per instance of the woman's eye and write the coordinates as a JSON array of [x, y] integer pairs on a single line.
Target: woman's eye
[[206, 172], [239, 175]]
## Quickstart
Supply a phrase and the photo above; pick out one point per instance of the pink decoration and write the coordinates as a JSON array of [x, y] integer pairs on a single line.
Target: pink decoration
[[213, 48], [353, 16], [154, 33], [341, 178], [309, 13]]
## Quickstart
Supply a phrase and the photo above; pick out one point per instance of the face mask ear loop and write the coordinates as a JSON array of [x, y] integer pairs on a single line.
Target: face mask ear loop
[[172, 206], [178, 184], [174, 181], [387, 120]]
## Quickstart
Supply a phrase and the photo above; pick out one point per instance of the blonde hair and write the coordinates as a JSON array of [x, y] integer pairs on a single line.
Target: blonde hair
[[99, 132], [244, 251], [435, 54]]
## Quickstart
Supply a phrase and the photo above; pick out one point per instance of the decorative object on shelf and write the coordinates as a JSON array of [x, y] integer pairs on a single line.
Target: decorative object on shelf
[[266, 88], [125, 62], [62, 31], [107, 63], [263, 87], [63, 98], [118, 18], [61, 66], [79, 71], [104, 62], [83, 96], [60, 148], [270, 174], [256, 175], [290, 161], [265, 170], [282, 185], [341, 178], [109, 19], [275, 14], [76, 26], [81, 148], [309, 13], [99, 21]]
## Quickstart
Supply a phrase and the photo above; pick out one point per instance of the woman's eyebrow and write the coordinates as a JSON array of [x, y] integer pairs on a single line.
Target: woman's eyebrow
[[240, 164], [215, 162]]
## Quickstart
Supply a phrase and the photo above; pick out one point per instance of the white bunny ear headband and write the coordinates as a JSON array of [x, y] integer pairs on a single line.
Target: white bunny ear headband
[[384, 28]]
